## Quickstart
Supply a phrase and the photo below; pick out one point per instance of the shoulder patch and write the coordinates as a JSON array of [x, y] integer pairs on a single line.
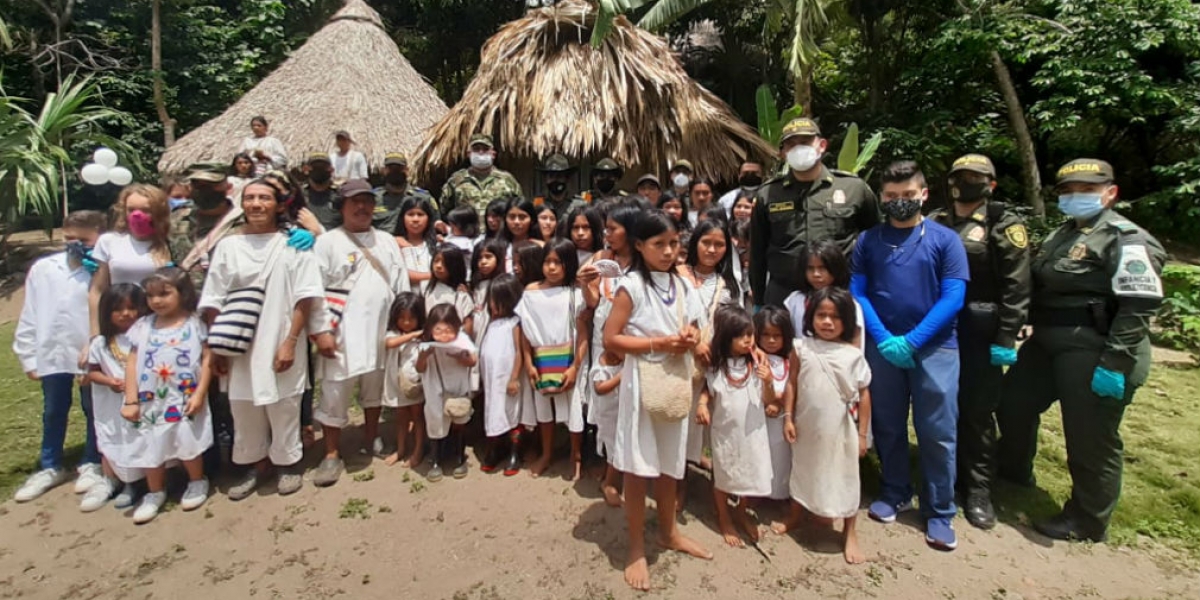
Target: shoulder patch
[[1017, 235], [1135, 276], [841, 173], [780, 207], [1124, 226]]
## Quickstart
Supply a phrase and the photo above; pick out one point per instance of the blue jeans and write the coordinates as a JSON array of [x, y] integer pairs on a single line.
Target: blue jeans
[[932, 390], [57, 390]]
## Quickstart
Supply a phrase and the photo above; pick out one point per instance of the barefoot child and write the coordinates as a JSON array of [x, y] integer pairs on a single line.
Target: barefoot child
[[606, 378], [775, 334], [402, 383], [445, 375], [487, 263], [552, 319], [449, 285], [167, 374], [733, 400], [501, 359], [829, 429], [120, 307]]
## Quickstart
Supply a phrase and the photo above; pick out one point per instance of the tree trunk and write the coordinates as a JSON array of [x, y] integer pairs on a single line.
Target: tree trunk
[[802, 90], [160, 103], [1031, 178]]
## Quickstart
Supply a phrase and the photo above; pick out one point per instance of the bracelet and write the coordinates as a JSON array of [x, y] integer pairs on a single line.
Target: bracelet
[[131, 403], [651, 345], [787, 414], [293, 338]]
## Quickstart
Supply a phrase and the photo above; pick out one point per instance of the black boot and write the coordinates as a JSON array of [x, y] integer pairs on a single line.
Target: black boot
[[460, 450], [979, 510], [435, 457], [514, 454], [1065, 527], [491, 457]]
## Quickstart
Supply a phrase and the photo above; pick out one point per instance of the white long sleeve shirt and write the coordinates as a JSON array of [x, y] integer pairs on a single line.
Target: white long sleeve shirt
[[53, 327], [351, 165]]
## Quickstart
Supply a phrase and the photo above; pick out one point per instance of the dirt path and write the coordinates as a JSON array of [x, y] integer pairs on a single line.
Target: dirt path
[[490, 537]]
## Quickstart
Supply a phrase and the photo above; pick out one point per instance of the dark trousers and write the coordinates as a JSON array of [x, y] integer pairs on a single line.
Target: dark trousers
[[978, 396], [57, 392]]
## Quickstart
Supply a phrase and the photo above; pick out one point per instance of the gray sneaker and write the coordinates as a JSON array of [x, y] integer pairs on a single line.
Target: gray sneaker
[[328, 472], [127, 498], [290, 481], [244, 486]]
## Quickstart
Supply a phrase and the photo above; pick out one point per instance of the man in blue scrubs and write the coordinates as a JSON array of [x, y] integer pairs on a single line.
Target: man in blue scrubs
[[910, 276]]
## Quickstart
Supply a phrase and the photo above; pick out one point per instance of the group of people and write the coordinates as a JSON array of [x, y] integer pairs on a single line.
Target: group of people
[[772, 335]]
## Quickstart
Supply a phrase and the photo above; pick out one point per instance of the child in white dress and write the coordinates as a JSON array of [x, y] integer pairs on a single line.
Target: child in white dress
[[402, 383], [825, 265], [167, 374], [444, 359], [487, 263], [732, 403], [415, 235], [775, 335], [501, 358], [829, 431], [449, 285]]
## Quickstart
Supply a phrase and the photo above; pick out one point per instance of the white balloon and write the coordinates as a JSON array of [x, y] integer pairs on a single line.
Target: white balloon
[[120, 176], [105, 156], [95, 174]]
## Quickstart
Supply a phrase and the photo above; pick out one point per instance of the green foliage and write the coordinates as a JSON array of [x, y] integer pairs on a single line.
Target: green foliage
[[1179, 317], [355, 508], [770, 121], [852, 158]]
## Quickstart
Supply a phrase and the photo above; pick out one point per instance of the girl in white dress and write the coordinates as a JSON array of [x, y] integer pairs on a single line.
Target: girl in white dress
[[520, 229], [584, 226], [445, 359], [775, 335], [829, 431], [449, 285], [417, 239], [554, 326], [501, 358], [648, 324], [732, 401], [402, 383], [825, 265], [167, 374], [120, 307], [487, 263]]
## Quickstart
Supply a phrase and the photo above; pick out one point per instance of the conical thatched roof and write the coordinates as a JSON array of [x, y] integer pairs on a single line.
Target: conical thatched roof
[[541, 88], [349, 75]]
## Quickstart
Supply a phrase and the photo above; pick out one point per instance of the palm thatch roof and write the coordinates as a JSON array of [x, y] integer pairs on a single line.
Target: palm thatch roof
[[349, 75], [541, 88]]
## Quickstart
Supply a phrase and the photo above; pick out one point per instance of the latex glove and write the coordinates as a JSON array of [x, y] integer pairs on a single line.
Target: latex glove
[[898, 351], [1108, 384], [301, 239], [1003, 357], [89, 264], [757, 307]]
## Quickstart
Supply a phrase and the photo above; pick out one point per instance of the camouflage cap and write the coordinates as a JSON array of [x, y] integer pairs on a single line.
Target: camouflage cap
[[555, 163], [317, 157], [683, 164], [211, 172], [607, 164], [798, 127], [482, 138], [1085, 170], [395, 158], [974, 162], [356, 187]]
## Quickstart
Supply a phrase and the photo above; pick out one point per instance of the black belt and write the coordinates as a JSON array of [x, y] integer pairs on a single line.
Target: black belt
[[1096, 315]]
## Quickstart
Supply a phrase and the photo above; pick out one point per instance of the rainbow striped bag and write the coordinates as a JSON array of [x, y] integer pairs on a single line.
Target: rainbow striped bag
[[552, 363]]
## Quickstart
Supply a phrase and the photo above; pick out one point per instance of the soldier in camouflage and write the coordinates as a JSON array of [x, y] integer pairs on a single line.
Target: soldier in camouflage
[[605, 176], [480, 183]]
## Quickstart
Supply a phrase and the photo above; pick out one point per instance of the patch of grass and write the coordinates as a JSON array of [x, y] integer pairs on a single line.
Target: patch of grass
[[355, 508], [416, 487], [367, 475]]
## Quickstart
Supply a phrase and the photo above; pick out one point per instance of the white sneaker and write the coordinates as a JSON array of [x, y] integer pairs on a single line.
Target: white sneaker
[[39, 483], [89, 474], [195, 494], [148, 509], [126, 498], [97, 495]]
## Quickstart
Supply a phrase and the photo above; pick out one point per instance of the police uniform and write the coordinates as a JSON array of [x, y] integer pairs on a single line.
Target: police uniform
[[1096, 285], [997, 306], [558, 164], [465, 189], [789, 214], [594, 195], [320, 202], [388, 199]]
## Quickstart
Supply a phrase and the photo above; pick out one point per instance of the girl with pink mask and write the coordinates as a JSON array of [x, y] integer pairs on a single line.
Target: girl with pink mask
[[137, 245]]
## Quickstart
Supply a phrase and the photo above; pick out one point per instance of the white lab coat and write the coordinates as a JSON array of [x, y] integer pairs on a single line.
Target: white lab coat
[[53, 327]]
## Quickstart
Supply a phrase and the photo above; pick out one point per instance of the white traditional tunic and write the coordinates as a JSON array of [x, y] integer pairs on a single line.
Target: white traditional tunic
[[501, 412], [781, 450], [442, 369], [272, 147], [129, 260], [825, 458], [741, 451], [712, 292], [548, 321], [400, 361], [482, 312], [437, 293], [417, 260], [115, 436], [797, 304], [644, 446], [602, 410]]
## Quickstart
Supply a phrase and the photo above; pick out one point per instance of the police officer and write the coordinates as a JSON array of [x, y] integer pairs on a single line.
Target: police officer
[[1095, 287], [480, 183], [319, 191], [680, 179], [996, 308], [605, 176], [396, 188], [809, 204], [556, 172]]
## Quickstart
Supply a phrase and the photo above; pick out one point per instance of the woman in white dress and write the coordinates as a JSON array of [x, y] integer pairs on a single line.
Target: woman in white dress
[[266, 151], [653, 323]]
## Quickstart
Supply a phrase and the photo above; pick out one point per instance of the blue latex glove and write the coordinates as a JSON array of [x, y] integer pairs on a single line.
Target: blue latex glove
[[1108, 384], [898, 351], [301, 239], [757, 307], [89, 264], [1003, 357]]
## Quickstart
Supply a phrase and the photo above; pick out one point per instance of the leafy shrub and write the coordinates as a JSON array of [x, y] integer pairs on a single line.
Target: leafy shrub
[[1179, 318]]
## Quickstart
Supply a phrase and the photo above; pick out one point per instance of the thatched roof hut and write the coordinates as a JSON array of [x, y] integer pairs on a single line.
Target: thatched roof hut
[[349, 75], [541, 88]]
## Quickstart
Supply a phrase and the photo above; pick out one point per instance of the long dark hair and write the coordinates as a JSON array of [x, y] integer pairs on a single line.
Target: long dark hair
[[407, 302], [831, 256], [505, 292], [442, 313], [779, 318], [565, 251], [496, 248], [495, 208], [649, 224], [453, 261], [729, 323], [422, 204], [844, 303], [594, 220], [684, 223], [465, 219], [627, 217], [725, 265], [233, 164], [115, 297], [529, 257], [180, 280], [526, 207]]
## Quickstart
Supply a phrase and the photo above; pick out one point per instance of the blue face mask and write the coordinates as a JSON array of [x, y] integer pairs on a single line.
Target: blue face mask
[[1081, 205], [78, 249], [177, 203]]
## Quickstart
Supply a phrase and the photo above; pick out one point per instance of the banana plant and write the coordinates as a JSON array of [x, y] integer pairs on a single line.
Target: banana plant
[[852, 158]]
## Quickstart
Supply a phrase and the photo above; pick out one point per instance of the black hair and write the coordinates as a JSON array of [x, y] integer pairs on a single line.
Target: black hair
[[496, 248], [702, 181], [454, 262], [843, 301], [901, 171], [779, 318], [233, 164], [180, 280], [407, 302], [525, 206], [716, 212], [595, 222], [725, 265], [729, 323], [739, 198], [831, 256], [495, 208], [505, 293], [441, 313], [282, 219], [528, 257], [115, 297], [259, 119], [424, 205], [684, 224], [538, 210], [287, 192], [465, 219], [565, 250], [649, 224]]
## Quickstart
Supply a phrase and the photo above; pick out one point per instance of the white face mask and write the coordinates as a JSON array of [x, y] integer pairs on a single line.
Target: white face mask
[[481, 160], [803, 158], [681, 181]]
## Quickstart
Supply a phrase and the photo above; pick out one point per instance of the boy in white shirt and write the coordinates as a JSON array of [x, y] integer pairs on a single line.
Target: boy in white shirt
[[347, 163], [365, 262], [51, 332]]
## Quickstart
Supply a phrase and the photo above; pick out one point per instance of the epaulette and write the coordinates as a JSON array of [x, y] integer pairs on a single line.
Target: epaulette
[[841, 173], [1124, 226]]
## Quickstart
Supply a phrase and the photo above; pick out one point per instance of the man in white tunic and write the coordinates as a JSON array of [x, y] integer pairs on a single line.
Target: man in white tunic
[[365, 264]]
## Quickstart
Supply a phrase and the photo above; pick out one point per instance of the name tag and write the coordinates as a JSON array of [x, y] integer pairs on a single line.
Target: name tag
[[781, 207]]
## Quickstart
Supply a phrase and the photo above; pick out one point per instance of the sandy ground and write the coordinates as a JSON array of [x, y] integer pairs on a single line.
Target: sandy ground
[[488, 537]]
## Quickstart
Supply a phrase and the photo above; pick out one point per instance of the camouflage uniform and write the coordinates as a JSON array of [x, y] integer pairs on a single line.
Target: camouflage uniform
[[465, 189]]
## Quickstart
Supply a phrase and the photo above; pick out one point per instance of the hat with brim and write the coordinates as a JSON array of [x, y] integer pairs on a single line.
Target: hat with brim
[[798, 127], [484, 139], [210, 172], [343, 134], [1085, 170], [976, 163], [556, 163], [397, 159], [356, 187], [682, 164], [316, 157], [648, 178], [607, 165]]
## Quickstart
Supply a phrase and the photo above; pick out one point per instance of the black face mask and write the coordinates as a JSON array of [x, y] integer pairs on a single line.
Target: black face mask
[[557, 188], [396, 179], [970, 193], [750, 180], [605, 184], [320, 176], [207, 198]]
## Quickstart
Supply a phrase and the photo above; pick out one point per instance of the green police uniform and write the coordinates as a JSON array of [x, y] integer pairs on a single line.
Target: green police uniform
[[387, 207], [558, 164], [1096, 287], [996, 307]]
